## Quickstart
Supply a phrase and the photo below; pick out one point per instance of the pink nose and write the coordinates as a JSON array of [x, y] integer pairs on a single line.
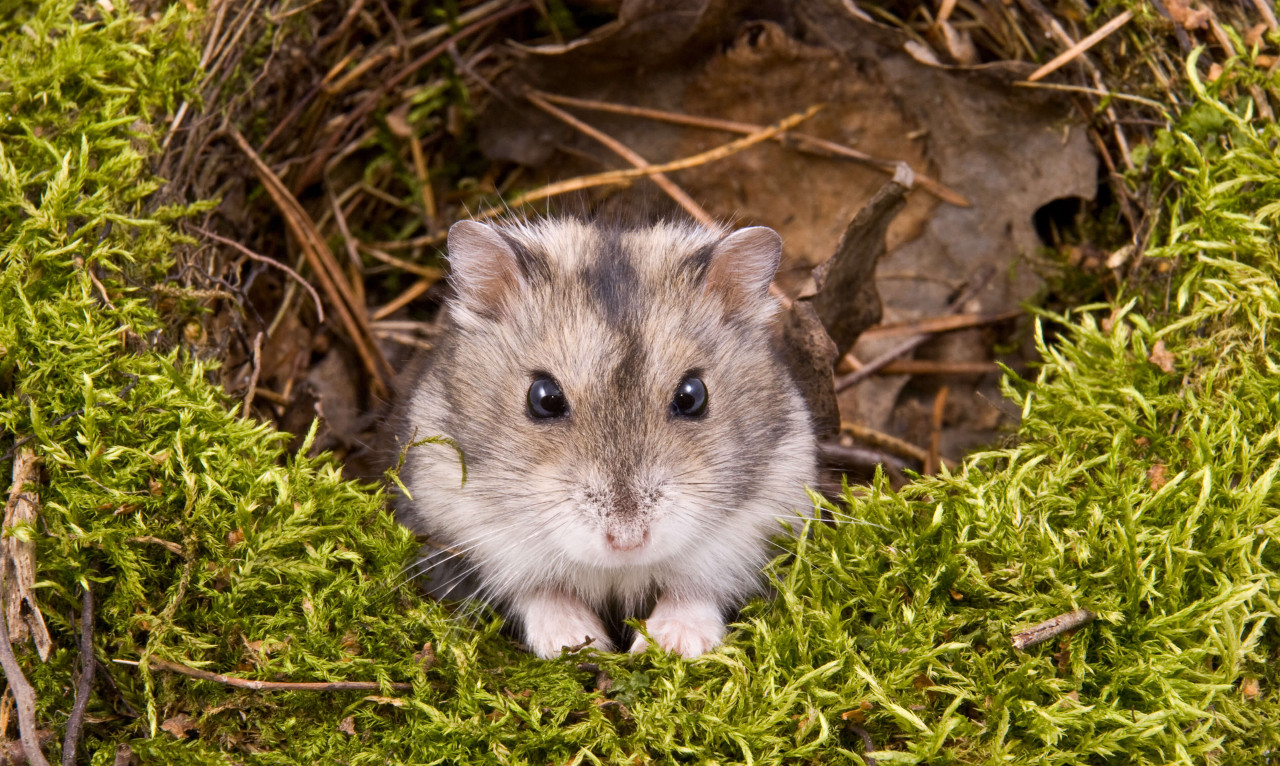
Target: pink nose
[[626, 542]]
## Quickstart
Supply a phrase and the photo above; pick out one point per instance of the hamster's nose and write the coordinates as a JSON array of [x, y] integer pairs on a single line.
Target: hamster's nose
[[626, 540]]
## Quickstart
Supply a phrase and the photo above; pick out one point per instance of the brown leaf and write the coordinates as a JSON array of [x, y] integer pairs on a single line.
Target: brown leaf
[[394, 701], [1250, 688], [1182, 13], [1156, 474], [348, 726], [1161, 357], [179, 725], [427, 657]]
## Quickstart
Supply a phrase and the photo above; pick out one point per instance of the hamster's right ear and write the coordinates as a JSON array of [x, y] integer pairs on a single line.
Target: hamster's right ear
[[483, 267]]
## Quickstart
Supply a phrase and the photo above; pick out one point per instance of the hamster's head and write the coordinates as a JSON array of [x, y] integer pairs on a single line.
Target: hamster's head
[[614, 393]]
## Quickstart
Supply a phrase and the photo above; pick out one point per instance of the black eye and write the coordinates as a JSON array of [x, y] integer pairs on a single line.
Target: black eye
[[691, 398], [546, 400]]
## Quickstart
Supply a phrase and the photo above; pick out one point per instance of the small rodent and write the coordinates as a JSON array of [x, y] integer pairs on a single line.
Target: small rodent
[[630, 436]]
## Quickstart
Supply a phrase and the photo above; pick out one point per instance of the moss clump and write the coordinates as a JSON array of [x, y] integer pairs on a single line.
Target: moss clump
[[1147, 495]]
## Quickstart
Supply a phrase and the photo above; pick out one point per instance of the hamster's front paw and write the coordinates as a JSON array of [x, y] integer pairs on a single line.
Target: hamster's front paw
[[553, 621], [688, 628]]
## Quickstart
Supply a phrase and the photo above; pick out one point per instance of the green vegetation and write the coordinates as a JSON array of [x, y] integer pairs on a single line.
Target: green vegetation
[[1143, 487]]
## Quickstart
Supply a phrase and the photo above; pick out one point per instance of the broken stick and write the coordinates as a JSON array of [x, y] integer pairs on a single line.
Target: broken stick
[[1050, 628]]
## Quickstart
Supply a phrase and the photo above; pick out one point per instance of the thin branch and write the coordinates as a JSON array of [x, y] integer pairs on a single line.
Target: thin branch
[[24, 696], [267, 686], [934, 460], [253, 376], [802, 142], [246, 252], [354, 318], [1049, 628], [939, 324], [1085, 44], [623, 176], [84, 686], [976, 284], [886, 442], [626, 153]]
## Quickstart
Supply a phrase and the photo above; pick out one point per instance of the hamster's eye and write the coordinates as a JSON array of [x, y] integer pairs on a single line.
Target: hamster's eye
[[546, 400], [690, 400]]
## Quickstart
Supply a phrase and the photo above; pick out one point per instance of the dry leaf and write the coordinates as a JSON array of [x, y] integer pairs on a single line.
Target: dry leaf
[[427, 657], [1254, 35], [1156, 474], [179, 725], [1182, 13], [1161, 357], [395, 701], [348, 726]]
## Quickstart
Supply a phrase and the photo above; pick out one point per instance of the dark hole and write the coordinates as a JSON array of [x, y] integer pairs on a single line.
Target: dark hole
[[1054, 220]]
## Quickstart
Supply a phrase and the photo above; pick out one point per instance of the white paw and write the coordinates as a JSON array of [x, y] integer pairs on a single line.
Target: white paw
[[555, 621], [688, 629]]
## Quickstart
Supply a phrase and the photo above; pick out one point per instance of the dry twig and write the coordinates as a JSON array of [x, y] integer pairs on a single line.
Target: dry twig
[[24, 696], [934, 458], [886, 442], [354, 319], [246, 252], [1085, 44], [18, 559], [267, 686], [623, 176], [625, 152], [84, 686], [800, 141], [976, 284], [1050, 628]]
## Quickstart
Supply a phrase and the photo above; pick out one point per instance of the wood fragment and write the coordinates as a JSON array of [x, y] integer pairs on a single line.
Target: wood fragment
[[940, 324], [24, 696], [1050, 628], [933, 461], [800, 141], [166, 544], [354, 318], [938, 367], [864, 459], [1085, 44], [681, 197], [84, 685], [267, 686], [253, 376], [886, 442], [1268, 14], [18, 559]]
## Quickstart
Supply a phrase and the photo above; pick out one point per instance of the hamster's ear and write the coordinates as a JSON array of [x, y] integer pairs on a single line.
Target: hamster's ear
[[742, 265], [482, 266]]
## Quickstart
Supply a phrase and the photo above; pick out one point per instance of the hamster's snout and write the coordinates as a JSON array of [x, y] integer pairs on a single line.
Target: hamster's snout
[[623, 540], [621, 512]]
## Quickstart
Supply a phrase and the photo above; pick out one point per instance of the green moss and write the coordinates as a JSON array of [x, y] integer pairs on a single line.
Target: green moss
[[276, 568]]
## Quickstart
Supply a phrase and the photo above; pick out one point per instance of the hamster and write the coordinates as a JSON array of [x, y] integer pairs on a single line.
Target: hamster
[[629, 436]]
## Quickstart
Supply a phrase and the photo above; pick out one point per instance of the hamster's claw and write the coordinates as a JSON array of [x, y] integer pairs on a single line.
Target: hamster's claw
[[686, 628]]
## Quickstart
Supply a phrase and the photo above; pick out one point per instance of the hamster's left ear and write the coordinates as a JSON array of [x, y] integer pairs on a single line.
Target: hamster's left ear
[[742, 265], [482, 265]]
